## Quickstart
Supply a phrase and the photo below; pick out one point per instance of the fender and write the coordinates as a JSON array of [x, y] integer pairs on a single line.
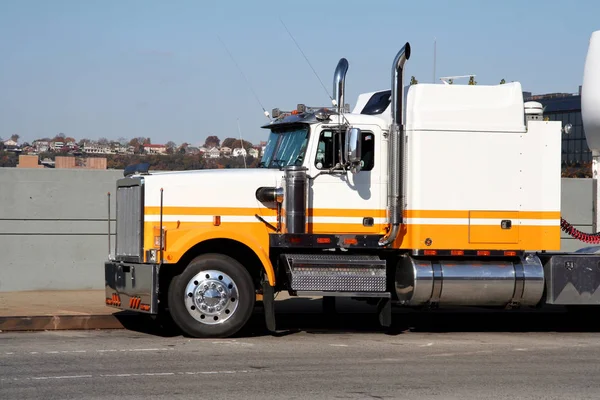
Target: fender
[[253, 236]]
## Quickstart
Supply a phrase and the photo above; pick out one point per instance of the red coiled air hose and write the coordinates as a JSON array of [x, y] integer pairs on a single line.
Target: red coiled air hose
[[593, 238]]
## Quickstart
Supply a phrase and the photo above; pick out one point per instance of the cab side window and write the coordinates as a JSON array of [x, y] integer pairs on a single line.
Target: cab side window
[[328, 150]]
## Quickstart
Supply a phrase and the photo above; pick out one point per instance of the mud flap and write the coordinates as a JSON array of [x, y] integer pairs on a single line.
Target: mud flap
[[384, 308], [269, 305]]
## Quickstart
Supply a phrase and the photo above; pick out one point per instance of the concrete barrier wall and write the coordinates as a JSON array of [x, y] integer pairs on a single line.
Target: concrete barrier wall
[[53, 226], [577, 207]]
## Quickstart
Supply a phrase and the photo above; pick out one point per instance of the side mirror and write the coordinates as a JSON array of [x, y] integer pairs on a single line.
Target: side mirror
[[352, 148]]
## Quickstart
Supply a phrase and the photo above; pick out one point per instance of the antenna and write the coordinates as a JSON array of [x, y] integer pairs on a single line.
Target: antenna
[[244, 76], [242, 142], [434, 56], [309, 64]]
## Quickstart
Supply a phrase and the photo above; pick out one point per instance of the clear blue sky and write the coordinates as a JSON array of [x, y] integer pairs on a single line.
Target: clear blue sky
[[108, 68]]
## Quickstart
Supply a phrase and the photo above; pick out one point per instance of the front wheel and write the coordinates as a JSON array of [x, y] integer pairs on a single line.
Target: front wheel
[[213, 297]]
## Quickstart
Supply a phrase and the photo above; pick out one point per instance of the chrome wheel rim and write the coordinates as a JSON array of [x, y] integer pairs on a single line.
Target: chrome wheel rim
[[211, 297]]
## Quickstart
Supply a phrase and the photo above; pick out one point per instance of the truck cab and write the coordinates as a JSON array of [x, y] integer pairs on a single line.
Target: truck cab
[[315, 142]]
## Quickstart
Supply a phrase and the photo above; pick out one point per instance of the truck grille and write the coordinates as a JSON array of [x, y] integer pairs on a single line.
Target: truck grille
[[129, 222]]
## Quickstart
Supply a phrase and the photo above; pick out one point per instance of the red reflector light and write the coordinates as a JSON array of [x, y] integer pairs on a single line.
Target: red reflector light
[[457, 252], [295, 240], [510, 253], [217, 220], [350, 241], [430, 252], [323, 240], [483, 252]]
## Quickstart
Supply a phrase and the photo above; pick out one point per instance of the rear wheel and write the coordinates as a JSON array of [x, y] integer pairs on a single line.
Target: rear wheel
[[213, 297]]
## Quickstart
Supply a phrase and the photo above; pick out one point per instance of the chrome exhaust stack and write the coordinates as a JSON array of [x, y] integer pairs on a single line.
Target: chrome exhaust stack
[[295, 199], [339, 83], [396, 148]]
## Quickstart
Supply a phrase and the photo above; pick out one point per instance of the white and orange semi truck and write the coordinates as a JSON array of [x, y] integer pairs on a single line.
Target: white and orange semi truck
[[428, 196]]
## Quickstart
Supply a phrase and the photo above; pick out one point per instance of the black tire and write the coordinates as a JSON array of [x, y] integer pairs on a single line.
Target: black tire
[[328, 303], [233, 321]]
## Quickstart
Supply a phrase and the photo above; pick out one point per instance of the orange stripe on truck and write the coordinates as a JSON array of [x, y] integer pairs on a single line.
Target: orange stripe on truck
[[210, 211], [479, 214], [311, 212], [342, 212]]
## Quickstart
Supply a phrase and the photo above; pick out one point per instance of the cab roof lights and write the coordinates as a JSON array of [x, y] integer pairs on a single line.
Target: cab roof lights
[[303, 108]]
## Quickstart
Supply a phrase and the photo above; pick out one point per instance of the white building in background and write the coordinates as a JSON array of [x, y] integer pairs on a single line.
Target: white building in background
[[41, 146], [212, 153], [155, 149], [94, 148], [56, 146], [225, 151], [239, 151]]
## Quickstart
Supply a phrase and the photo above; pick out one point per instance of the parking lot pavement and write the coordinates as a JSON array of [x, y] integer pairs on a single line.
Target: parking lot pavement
[[321, 363]]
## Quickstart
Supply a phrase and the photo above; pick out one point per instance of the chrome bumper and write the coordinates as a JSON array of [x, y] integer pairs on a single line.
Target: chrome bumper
[[131, 286]]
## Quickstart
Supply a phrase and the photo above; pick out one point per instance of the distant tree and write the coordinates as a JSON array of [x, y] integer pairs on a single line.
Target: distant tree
[[15, 138], [237, 144], [146, 141], [413, 80], [183, 147], [123, 141], [228, 142], [472, 80], [212, 141], [170, 145], [59, 138], [137, 145], [103, 141], [502, 82]]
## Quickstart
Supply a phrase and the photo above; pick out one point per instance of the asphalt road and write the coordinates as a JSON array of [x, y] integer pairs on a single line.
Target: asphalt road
[[440, 356]]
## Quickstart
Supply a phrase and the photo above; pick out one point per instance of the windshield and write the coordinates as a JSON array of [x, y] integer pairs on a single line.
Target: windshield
[[285, 146]]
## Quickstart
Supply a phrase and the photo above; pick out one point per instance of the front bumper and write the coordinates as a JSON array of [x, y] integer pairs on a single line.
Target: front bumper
[[131, 286]]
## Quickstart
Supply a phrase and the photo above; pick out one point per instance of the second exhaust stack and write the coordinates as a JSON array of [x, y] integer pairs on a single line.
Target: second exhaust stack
[[396, 148]]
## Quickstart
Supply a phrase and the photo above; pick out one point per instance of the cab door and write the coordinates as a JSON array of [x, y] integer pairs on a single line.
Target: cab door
[[345, 202]]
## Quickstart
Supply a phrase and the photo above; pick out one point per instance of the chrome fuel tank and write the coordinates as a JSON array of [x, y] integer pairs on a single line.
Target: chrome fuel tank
[[470, 282]]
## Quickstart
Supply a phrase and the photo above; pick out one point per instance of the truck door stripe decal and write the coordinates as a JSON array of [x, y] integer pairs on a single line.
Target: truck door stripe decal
[[480, 221], [252, 218]]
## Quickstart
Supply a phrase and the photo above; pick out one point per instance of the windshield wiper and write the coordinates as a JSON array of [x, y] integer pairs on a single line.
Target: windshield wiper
[[279, 162]]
